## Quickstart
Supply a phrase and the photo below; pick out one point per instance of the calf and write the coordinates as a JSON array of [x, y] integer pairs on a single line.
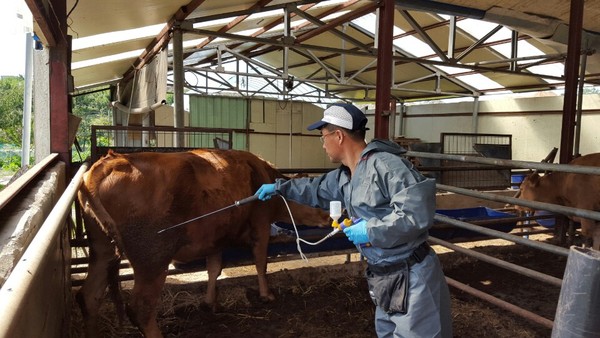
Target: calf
[[128, 198], [568, 189]]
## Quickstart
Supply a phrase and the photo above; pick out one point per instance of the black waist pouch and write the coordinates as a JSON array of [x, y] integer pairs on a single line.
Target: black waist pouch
[[389, 290]]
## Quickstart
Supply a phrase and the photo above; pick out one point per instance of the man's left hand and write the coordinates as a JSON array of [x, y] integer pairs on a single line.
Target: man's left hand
[[357, 233]]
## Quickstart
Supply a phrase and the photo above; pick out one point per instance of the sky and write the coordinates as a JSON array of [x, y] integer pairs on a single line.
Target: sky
[[15, 21]]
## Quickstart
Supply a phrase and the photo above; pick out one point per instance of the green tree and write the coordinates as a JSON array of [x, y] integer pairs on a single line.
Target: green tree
[[94, 109], [11, 124], [11, 110]]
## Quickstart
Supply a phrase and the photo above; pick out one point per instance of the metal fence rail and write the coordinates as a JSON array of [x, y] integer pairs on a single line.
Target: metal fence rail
[[568, 168], [163, 139], [14, 188], [15, 291], [569, 211]]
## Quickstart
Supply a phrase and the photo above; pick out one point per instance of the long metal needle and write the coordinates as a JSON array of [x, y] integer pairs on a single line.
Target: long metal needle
[[235, 204]]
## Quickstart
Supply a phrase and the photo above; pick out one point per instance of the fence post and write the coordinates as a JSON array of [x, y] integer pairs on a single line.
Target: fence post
[[578, 311]]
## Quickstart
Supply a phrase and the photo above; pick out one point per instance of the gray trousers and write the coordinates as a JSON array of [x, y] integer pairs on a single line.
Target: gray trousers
[[428, 305]]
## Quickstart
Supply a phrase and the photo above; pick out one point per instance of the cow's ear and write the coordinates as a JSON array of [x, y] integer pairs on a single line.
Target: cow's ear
[[534, 178]]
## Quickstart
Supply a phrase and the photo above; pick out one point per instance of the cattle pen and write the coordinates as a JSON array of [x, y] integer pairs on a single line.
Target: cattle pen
[[21, 296]]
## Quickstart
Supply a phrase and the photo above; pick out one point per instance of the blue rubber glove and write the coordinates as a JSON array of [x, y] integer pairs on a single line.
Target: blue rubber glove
[[265, 191], [357, 233]]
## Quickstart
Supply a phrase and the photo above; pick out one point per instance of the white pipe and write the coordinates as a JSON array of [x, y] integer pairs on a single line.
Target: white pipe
[[179, 79], [474, 117], [142, 110], [13, 294], [26, 137]]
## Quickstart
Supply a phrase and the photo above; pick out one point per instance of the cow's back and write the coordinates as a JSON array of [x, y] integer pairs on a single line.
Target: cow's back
[[581, 190], [136, 195]]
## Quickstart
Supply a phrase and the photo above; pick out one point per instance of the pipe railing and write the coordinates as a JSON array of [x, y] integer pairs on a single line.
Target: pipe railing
[[501, 303], [14, 188], [13, 292], [568, 168], [569, 211], [499, 234], [498, 262]]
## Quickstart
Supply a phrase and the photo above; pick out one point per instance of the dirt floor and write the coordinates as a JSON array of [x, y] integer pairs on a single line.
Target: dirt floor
[[327, 297]]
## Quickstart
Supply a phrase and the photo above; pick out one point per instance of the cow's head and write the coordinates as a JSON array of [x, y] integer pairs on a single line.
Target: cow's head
[[529, 190]]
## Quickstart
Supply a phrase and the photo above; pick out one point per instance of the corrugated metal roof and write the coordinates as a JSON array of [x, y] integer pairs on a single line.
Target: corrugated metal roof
[[110, 36]]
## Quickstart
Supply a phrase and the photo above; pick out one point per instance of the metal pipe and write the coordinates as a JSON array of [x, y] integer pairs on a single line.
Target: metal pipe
[[343, 56], [542, 277], [567, 168], [384, 64], [178, 78], [142, 110], [240, 262], [477, 43], [494, 233], [571, 68], [522, 58], [475, 118], [13, 189], [595, 215], [514, 50], [27, 95], [14, 291], [578, 123], [578, 307], [500, 303], [441, 8], [451, 37]]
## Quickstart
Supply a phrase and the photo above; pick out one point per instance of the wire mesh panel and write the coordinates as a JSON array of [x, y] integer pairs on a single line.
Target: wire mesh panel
[[472, 175], [159, 139]]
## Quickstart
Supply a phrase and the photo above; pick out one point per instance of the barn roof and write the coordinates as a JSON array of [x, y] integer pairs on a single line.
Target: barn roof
[[443, 48]]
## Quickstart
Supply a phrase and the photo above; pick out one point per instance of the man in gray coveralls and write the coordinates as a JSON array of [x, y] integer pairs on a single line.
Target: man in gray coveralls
[[393, 207]]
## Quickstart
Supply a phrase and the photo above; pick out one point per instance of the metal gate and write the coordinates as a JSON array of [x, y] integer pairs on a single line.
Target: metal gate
[[472, 175]]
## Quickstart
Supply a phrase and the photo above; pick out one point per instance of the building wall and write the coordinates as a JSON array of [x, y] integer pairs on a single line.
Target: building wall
[[535, 123], [280, 136]]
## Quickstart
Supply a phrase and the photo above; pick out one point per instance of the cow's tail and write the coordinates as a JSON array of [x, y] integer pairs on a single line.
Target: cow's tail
[[91, 205], [97, 216]]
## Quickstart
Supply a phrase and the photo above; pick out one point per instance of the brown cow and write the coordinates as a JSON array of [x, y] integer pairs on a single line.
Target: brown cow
[[128, 198], [571, 190]]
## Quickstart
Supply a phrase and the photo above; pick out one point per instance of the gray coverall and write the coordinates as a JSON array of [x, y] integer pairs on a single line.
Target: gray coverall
[[398, 204]]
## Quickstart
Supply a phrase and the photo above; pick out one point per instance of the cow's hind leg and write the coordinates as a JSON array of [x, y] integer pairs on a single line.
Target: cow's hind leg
[[259, 249], [214, 267], [596, 236], [145, 295], [114, 290], [588, 231], [103, 258]]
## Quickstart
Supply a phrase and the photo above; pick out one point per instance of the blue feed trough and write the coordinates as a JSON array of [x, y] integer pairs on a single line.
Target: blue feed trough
[[549, 222], [471, 215], [545, 222]]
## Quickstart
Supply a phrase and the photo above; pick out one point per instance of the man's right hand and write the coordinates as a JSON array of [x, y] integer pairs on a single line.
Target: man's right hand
[[265, 191]]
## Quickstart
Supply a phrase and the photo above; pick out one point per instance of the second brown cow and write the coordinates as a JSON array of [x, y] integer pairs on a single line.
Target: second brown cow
[[569, 189], [128, 198]]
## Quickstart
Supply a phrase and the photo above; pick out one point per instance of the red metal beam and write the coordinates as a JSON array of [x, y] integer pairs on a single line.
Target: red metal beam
[[47, 23], [59, 68], [571, 74], [384, 71]]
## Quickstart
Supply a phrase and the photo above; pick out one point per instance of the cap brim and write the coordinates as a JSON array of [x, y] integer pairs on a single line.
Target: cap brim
[[317, 125]]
